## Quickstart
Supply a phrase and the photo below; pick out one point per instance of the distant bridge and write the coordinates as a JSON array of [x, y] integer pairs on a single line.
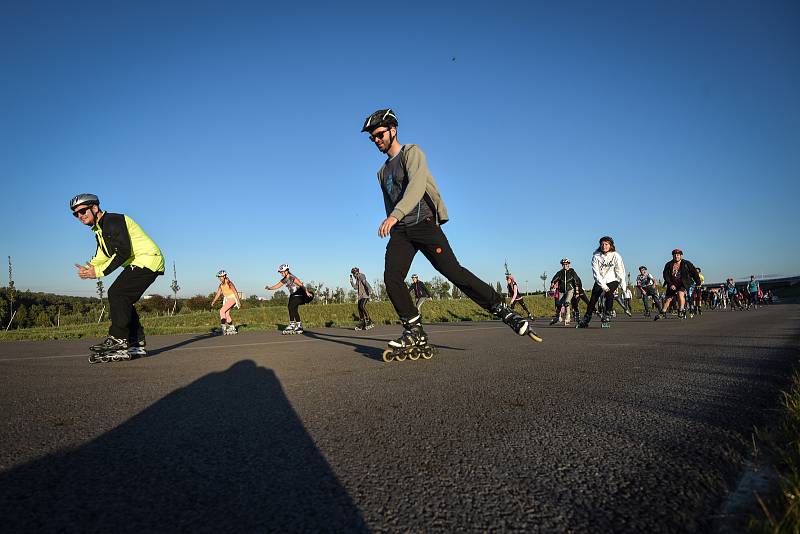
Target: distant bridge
[[766, 283]]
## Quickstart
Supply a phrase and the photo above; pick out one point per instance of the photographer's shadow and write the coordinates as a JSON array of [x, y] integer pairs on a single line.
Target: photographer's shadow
[[226, 453]]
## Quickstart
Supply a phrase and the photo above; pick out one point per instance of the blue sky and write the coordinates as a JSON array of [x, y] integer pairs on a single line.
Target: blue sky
[[230, 133]]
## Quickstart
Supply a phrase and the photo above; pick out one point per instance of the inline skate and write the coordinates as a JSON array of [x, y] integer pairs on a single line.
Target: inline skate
[[112, 349], [136, 347], [413, 344], [518, 323], [292, 329]]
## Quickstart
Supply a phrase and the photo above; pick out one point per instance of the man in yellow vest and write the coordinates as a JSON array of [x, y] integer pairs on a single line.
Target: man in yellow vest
[[120, 243]]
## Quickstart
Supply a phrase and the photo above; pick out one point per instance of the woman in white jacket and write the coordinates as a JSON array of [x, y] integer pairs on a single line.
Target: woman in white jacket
[[609, 274]]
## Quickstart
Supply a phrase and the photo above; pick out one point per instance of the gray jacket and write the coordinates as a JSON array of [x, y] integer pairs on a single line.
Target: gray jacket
[[420, 182], [361, 285]]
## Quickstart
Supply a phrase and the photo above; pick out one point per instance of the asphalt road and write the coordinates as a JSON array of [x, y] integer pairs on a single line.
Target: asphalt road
[[639, 428]]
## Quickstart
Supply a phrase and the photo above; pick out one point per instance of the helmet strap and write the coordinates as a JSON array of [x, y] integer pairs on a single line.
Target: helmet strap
[[391, 140]]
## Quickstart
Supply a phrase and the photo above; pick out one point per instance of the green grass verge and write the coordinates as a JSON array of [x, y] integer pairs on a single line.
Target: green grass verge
[[273, 318], [780, 512]]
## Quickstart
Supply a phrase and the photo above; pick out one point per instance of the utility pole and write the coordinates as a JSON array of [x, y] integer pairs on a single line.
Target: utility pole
[[10, 293], [100, 292], [174, 287]]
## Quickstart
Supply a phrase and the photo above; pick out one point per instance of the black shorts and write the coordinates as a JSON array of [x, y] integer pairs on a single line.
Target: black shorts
[[673, 292]]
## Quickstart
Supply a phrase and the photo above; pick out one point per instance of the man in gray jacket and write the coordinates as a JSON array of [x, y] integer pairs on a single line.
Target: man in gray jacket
[[415, 212], [364, 291]]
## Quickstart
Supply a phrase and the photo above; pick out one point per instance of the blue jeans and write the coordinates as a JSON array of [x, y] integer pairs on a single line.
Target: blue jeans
[[650, 292]]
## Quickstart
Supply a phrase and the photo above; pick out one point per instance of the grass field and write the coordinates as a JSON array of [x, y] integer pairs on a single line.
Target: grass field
[[314, 315], [780, 447]]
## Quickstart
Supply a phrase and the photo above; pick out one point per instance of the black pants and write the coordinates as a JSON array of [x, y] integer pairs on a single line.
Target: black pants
[[521, 303], [126, 290], [576, 312], [428, 238], [596, 292], [296, 300], [363, 314]]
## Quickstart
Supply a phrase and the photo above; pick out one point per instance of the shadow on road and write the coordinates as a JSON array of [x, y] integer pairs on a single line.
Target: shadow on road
[[156, 352], [226, 453], [459, 317], [374, 353]]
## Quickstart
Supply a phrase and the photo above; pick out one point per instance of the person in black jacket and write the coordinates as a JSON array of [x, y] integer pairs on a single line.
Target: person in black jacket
[[678, 277], [420, 291], [566, 282]]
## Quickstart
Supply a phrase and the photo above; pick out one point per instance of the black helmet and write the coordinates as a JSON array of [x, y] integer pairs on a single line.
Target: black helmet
[[382, 117], [83, 199]]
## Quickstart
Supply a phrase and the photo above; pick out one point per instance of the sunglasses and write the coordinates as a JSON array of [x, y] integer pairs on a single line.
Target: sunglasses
[[377, 135], [81, 212]]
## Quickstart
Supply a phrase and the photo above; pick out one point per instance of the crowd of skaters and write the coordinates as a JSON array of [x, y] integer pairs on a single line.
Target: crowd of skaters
[[682, 291], [415, 214]]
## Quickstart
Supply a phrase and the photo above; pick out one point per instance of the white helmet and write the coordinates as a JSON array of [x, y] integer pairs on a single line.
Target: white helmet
[[222, 272], [283, 267]]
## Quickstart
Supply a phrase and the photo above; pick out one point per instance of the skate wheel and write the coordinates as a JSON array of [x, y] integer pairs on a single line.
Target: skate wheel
[[428, 353], [94, 358], [388, 355], [104, 358], [401, 355], [414, 354], [534, 336]]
